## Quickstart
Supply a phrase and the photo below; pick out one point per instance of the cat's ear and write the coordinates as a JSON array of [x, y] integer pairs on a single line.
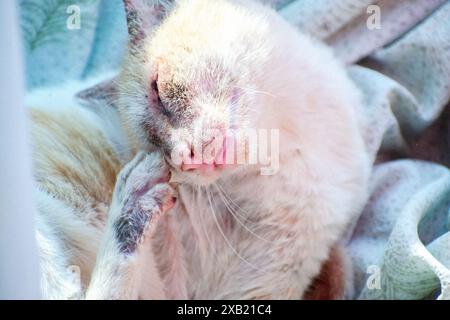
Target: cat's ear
[[100, 94], [143, 16]]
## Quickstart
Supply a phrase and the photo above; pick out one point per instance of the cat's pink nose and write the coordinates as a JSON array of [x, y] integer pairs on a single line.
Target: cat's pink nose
[[201, 161]]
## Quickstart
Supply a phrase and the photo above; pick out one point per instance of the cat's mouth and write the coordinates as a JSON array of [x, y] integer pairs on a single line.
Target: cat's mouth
[[197, 174], [204, 168], [199, 165]]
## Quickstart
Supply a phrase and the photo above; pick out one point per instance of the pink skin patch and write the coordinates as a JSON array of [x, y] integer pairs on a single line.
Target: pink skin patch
[[169, 204], [219, 162]]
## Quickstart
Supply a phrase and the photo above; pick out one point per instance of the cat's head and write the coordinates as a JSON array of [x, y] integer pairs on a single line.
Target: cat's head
[[189, 84]]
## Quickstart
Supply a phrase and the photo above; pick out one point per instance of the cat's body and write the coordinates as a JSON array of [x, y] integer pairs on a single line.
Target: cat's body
[[232, 232]]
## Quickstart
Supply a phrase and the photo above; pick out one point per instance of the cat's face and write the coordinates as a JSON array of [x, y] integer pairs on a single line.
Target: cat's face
[[191, 107], [184, 92]]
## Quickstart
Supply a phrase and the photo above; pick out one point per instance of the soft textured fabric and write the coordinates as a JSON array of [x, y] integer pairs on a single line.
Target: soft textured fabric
[[400, 245]]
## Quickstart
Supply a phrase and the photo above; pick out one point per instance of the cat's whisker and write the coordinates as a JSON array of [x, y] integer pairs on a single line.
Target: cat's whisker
[[252, 90], [225, 237], [201, 233], [230, 203], [237, 208], [202, 221], [258, 224], [231, 210]]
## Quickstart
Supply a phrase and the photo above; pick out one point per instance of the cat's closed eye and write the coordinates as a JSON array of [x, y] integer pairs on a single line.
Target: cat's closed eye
[[155, 99]]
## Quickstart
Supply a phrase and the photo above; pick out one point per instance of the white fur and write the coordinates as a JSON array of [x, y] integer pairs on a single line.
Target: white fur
[[245, 236]]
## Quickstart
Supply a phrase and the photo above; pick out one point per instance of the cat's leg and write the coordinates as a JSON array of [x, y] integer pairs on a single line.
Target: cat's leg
[[314, 243], [141, 196], [57, 280], [334, 281], [66, 246]]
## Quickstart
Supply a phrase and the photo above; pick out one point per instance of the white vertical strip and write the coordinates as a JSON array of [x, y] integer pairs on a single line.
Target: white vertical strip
[[18, 256]]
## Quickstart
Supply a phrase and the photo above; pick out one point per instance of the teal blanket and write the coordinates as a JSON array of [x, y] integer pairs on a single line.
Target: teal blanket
[[400, 245]]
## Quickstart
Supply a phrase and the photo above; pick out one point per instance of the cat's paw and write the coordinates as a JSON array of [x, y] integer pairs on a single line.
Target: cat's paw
[[141, 196]]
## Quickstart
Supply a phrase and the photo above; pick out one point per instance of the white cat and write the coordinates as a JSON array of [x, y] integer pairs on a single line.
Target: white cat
[[174, 229]]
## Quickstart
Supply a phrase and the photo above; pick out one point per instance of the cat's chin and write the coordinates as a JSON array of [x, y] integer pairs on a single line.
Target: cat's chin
[[201, 178], [204, 180]]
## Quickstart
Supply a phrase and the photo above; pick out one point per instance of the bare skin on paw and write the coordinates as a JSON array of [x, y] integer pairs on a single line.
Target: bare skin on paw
[[144, 195]]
